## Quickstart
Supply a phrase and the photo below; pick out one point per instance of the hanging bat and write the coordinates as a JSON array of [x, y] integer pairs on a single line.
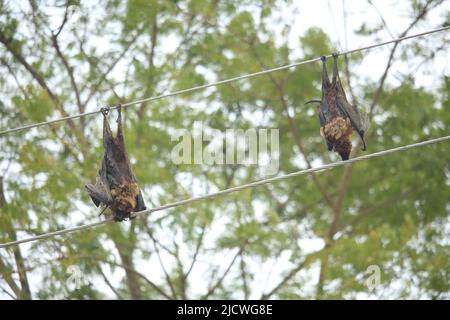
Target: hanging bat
[[338, 118], [116, 186]]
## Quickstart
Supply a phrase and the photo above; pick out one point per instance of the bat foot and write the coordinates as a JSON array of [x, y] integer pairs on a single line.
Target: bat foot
[[119, 112], [104, 111]]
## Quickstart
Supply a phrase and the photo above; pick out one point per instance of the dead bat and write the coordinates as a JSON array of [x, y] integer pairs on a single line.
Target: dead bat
[[338, 118], [116, 186]]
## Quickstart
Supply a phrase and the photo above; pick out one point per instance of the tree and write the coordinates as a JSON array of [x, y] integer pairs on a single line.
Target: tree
[[390, 212]]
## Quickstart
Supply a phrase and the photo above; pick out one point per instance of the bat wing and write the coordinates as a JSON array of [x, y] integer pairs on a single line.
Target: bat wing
[[322, 124], [140, 205], [100, 192], [359, 119], [117, 171]]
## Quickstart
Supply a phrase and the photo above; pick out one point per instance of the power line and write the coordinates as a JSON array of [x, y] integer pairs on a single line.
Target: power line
[[213, 84], [231, 190]]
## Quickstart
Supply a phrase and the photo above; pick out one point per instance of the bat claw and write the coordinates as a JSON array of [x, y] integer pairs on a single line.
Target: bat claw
[[361, 133], [104, 111], [364, 148]]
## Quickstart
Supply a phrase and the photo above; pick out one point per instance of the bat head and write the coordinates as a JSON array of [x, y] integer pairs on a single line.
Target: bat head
[[343, 147], [125, 202], [338, 133]]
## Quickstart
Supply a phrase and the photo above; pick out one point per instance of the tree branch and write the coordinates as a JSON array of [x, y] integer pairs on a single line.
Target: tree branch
[[168, 279], [8, 293], [381, 18], [197, 250], [24, 292], [291, 274], [68, 68], [244, 276], [7, 276], [212, 289], [7, 42], [108, 283], [104, 75], [142, 276]]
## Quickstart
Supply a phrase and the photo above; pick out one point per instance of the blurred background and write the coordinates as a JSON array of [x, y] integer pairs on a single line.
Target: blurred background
[[331, 235]]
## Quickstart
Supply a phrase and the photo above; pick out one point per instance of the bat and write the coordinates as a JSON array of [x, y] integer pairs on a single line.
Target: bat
[[116, 186], [337, 117]]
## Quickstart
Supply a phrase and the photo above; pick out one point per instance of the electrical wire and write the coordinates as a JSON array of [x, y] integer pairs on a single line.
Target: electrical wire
[[231, 190], [213, 84]]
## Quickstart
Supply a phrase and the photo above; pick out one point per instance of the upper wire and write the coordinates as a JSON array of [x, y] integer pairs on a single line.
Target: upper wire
[[221, 82]]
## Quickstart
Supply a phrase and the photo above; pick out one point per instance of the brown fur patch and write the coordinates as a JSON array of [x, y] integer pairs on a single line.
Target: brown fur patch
[[124, 197], [337, 128], [339, 131]]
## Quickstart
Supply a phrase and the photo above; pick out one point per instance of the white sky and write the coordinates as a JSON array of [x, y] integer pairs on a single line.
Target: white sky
[[395, 13]]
